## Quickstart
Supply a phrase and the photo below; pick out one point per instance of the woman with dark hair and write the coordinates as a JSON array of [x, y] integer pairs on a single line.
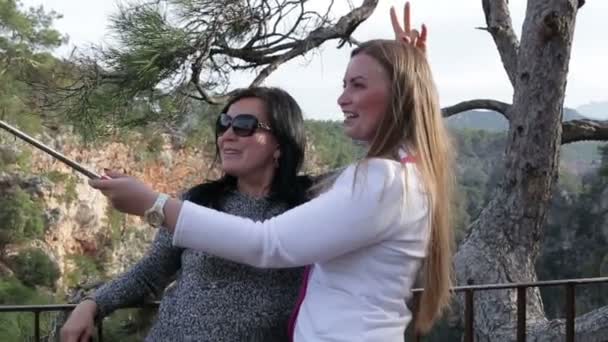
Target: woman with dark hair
[[260, 143]]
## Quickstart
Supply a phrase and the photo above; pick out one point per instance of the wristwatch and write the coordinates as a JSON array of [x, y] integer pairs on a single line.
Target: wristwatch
[[156, 215]]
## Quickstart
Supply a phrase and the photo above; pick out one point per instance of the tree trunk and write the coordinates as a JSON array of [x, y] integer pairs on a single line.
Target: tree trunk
[[504, 243]]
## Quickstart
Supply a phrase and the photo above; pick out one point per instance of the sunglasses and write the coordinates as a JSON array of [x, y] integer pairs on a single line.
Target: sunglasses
[[243, 125]]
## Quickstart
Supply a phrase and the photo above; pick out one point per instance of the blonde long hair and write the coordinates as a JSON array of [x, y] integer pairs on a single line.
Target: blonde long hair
[[414, 120]]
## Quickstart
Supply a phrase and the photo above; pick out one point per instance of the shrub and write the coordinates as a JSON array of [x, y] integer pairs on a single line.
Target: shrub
[[20, 218], [33, 267], [85, 268]]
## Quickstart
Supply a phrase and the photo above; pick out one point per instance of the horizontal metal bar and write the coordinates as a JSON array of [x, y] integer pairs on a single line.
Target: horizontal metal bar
[[546, 283], [581, 281], [60, 307]]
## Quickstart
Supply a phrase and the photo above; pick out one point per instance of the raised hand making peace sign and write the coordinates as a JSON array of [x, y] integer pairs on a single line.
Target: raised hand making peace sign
[[406, 34]]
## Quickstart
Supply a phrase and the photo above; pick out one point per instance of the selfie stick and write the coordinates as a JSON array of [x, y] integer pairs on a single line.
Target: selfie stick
[[74, 165]]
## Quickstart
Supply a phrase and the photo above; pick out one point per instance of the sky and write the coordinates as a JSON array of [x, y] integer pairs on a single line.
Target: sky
[[465, 62]]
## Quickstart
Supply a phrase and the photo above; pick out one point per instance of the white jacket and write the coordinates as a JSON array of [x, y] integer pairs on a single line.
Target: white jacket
[[365, 236]]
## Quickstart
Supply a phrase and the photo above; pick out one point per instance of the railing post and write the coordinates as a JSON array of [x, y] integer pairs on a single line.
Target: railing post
[[469, 315], [570, 311], [36, 325], [521, 313], [100, 330], [416, 300]]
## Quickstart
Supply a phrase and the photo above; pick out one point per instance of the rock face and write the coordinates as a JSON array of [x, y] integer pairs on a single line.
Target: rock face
[[77, 220]]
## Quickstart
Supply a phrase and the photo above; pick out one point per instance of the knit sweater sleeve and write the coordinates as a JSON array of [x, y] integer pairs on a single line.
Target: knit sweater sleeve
[[148, 276]]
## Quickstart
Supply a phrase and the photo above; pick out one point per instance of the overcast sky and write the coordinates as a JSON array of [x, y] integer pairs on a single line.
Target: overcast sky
[[465, 62]]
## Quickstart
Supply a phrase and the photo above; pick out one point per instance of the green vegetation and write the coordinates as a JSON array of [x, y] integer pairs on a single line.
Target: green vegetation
[[14, 160], [33, 267], [332, 147], [128, 325], [115, 221], [84, 269], [70, 193], [26, 38], [69, 183], [20, 218], [18, 326]]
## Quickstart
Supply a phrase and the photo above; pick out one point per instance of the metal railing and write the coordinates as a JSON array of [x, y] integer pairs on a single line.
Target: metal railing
[[469, 315], [569, 305], [38, 309]]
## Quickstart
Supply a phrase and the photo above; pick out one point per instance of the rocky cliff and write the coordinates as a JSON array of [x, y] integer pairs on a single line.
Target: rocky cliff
[[53, 211]]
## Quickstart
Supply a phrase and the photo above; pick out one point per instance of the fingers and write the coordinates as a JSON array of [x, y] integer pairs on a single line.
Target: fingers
[[407, 25], [107, 181], [100, 184], [114, 174], [414, 35], [424, 33], [395, 22], [421, 43], [71, 334], [87, 335], [106, 184]]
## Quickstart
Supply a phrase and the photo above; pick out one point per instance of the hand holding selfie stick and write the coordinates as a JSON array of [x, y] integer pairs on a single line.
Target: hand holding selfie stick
[[74, 165]]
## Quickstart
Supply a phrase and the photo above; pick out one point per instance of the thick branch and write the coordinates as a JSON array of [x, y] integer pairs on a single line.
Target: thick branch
[[572, 131], [342, 29], [497, 106], [498, 21], [579, 130], [590, 327]]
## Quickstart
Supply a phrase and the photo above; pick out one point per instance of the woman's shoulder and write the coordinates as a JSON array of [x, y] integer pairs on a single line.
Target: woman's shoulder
[[375, 168], [205, 193]]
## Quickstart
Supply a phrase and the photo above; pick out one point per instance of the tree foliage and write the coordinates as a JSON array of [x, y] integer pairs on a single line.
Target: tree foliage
[[33, 267], [26, 37], [20, 217], [167, 53]]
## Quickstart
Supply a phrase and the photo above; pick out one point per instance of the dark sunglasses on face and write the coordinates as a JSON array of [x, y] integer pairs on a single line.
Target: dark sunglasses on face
[[243, 125]]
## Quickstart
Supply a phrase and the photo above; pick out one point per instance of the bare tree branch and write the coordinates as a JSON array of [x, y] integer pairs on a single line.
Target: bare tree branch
[[580, 130], [497, 106], [272, 55], [342, 29], [498, 21], [572, 131]]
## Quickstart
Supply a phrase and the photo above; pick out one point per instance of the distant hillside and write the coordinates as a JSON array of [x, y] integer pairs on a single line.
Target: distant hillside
[[595, 110], [577, 158], [493, 121]]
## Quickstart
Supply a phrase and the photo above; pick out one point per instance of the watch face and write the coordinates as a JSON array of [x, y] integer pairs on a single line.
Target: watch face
[[155, 219]]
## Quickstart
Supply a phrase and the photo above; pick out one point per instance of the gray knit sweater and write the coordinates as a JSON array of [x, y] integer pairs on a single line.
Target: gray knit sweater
[[211, 299]]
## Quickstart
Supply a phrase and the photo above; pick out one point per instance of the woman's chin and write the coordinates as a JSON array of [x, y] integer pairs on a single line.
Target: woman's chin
[[232, 169], [349, 130], [352, 132]]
